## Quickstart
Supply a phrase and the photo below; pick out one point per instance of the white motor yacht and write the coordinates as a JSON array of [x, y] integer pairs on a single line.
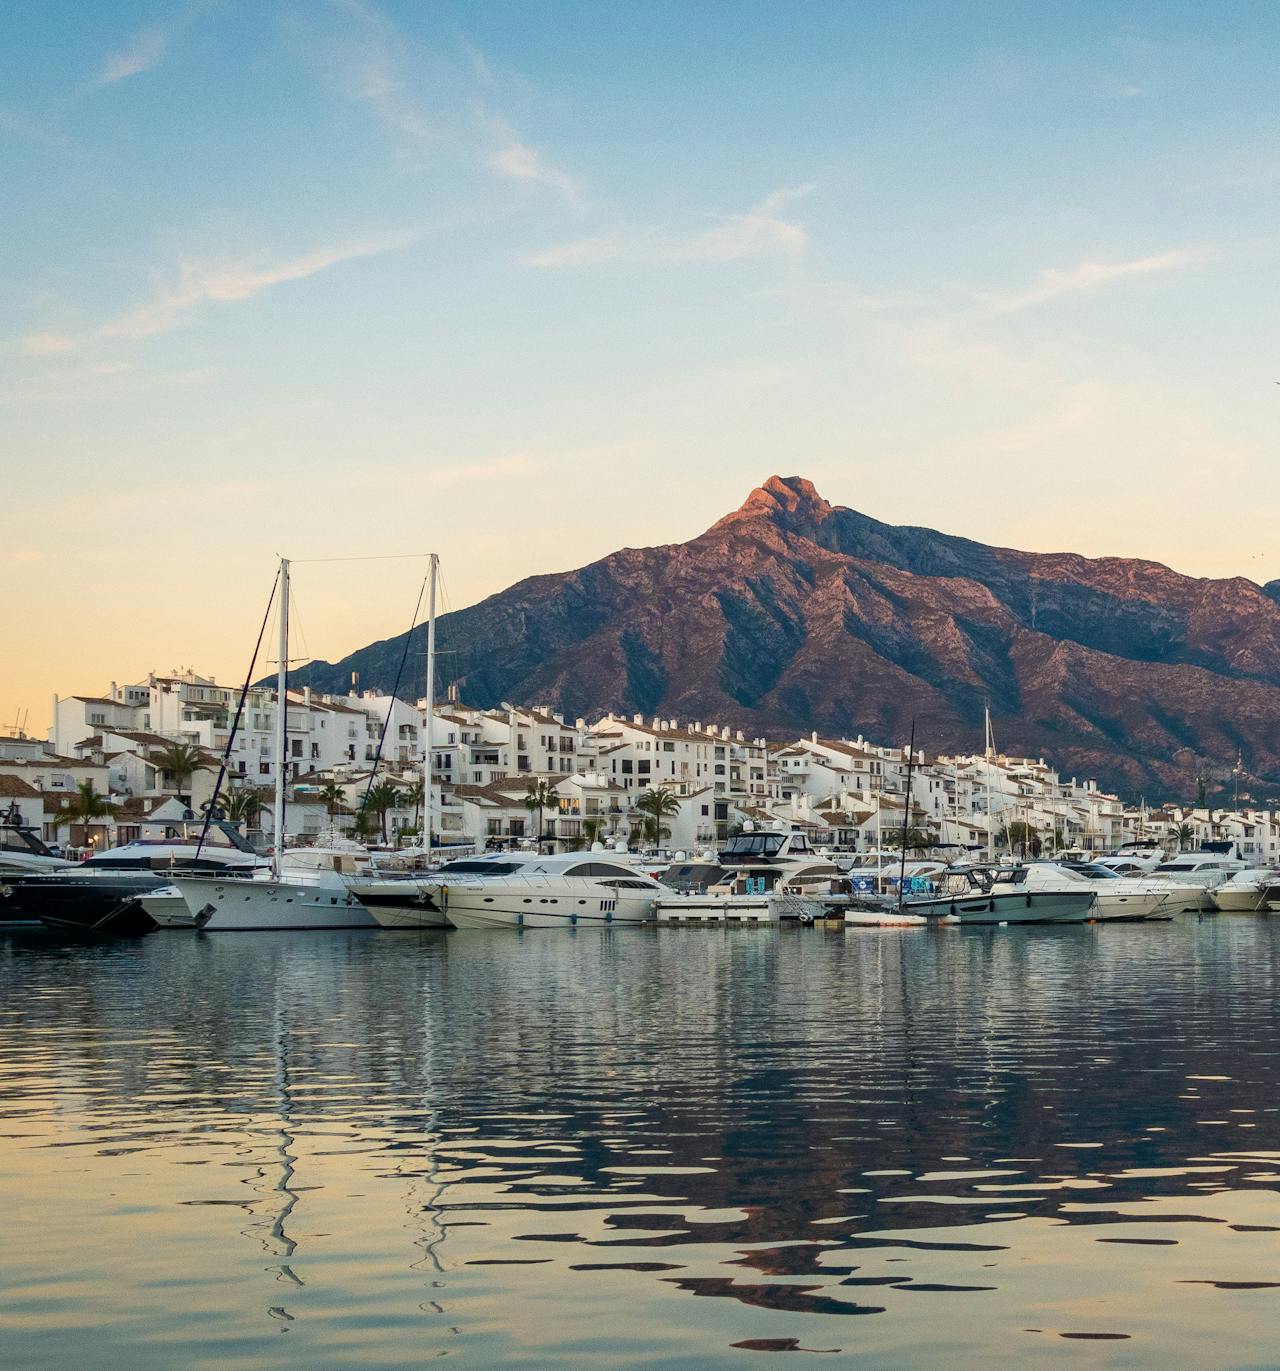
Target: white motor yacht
[[313, 891], [1128, 898], [532, 890], [1198, 874], [757, 880], [1246, 891]]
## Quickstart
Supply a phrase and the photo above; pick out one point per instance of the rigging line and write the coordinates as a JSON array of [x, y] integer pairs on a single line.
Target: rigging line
[[235, 726], [296, 626], [373, 557], [395, 690]]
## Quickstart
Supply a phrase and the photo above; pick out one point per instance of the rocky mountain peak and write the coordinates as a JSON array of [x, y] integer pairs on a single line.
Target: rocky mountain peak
[[792, 502]]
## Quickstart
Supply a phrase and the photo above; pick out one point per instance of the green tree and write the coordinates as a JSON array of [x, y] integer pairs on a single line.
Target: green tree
[[85, 806], [180, 761], [1181, 834], [1021, 835], [594, 828], [334, 797], [242, 806], [917, 839], [540, 795], [414, 795], [380, 798], [657, 805]]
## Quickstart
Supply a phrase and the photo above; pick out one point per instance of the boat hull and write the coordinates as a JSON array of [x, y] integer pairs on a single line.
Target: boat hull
[[167, 907], [400, 904], [252, 906], [1033, 907], [1127, 908], [83, 904], [484, 906], [1239, 901]]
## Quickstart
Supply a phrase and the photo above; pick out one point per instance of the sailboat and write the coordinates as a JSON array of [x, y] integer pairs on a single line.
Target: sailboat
[[316, 895], [401, 901]]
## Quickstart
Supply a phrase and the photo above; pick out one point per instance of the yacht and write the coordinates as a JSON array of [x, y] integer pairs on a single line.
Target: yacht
[[1245, 892], [1128, 898], [104, 894], [312, 890], [22, 850], [1199, 874], [985, 895], [759, 878], [532, 890]]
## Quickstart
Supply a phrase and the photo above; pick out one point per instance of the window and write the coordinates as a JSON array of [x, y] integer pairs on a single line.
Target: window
[[264, 768], [97, 717], [642, 768]]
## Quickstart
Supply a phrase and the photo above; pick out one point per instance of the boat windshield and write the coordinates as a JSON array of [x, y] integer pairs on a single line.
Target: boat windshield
[[1094, 871], [479, 868], [754, 845], [22, 840]]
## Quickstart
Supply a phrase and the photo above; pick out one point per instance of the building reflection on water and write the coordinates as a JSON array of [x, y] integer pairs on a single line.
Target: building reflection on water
[[538, 1145]]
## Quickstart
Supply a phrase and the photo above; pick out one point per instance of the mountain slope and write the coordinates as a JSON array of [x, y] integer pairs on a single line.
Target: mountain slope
[[791, 614]]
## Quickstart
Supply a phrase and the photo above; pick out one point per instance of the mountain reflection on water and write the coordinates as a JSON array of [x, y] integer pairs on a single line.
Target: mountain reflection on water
[[549, 1150]]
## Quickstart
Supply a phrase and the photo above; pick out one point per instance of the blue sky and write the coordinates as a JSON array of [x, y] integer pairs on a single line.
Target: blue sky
[[529, 282]]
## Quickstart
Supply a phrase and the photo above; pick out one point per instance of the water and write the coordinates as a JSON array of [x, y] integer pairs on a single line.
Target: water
[[683, 1148]]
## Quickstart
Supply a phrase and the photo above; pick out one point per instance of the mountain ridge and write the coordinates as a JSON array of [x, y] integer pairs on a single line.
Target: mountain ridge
[[790, 613]]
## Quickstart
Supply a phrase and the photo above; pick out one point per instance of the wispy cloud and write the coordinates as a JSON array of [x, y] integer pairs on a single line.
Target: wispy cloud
[[46, 344], [428, 101], [760, 232], [139, 54], [1086, 276], [196, 284], [369, 69], [515, 159]]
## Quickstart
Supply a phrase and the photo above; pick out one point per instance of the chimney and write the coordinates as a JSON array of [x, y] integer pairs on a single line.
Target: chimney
[[813, 737], [637, 719], [306, 695]]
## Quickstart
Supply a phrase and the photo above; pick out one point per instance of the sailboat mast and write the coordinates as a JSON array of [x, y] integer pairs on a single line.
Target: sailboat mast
[[989, 748], [428, 736], [906, 815], [282, 709]]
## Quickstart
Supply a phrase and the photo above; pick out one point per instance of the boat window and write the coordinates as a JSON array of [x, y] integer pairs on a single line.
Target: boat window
[[627, 883], [754, 845], [1173, 866], [479, 868], [597, 869], [19, 840]]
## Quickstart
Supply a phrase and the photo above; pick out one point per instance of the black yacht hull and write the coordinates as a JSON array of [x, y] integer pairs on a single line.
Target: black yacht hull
[[82, 904]]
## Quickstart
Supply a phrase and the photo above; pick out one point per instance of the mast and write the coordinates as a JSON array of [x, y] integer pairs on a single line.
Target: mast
[[428, 737], [989, 747], [282, 709], [906, 815]]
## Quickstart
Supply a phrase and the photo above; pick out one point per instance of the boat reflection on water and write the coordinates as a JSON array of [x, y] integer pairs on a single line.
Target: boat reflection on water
[[613, 1146]]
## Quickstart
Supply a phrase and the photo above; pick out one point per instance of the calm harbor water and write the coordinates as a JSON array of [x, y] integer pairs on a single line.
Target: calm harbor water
[[630, 1148]]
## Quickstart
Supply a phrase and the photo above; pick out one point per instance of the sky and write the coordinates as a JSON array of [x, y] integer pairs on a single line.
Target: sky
[[523, 283]]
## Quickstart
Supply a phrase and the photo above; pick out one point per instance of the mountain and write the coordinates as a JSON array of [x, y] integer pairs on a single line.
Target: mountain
[[791, 614]]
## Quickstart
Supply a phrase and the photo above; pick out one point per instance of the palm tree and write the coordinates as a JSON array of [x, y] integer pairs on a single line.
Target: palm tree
[[1181, 834], [657, 805], [242, 806], [414, 795], [86, 806], [380, 798], [593, 829], [181, 761], [540, 795], [917, 839], [334, 797]]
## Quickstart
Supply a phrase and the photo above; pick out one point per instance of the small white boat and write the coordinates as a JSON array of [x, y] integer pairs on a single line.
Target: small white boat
[[886, 918]]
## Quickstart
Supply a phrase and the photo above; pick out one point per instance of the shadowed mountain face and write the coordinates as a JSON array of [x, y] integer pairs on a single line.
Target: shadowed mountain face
[[791, 614]]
